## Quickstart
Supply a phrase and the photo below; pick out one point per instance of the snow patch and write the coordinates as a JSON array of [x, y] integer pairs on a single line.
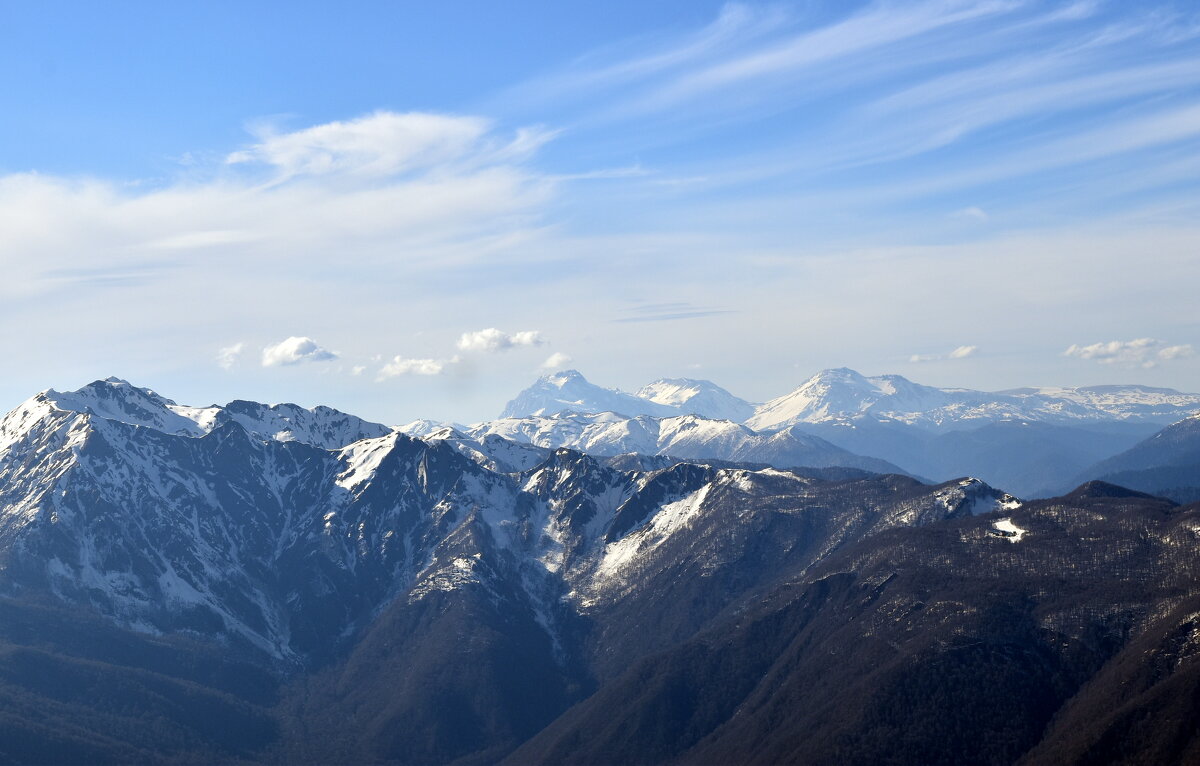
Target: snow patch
[[1010, 530]]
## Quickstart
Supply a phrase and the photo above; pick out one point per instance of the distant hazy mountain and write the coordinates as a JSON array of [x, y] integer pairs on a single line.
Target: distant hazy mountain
[[844, 394], [1167, 463], [697, 397], [1026, 440], [1030, 458], [568, 391]]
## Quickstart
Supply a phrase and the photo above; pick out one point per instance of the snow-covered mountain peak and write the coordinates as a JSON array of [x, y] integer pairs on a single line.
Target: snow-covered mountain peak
[[569, 391], [564, 378], [975, 497], [116, 399], [826, 395], [843, 394], [422, 427], [698, 397], [319, 426]]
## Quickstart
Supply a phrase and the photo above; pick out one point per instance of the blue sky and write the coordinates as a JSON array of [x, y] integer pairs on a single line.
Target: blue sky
[[411, 209]]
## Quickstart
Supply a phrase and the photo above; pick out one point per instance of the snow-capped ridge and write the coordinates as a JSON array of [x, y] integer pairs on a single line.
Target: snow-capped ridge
[[120, 401], [843, 394], [688, 437], [569, 391], [697, 397]]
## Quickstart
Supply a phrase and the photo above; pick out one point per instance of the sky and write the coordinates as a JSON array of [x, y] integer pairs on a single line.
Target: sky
[[411, 210]]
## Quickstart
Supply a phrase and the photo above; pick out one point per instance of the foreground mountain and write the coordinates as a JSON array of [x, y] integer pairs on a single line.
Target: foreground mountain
[[1166, 464], [118, 400], [217, 594], [371, 558], [938, 644]]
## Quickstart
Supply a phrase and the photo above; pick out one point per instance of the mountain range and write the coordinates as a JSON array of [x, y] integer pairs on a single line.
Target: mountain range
[[1036, 442], [255, 583], [840, 395]]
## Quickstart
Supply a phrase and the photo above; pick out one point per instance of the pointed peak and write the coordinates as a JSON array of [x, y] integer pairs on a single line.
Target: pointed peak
[[839, 373], [113, 386], [1102, 489], [561, 377], [894, 378]]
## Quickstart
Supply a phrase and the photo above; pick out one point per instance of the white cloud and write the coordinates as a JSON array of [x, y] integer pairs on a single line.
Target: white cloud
[[972, 214], [435, 188], [405, 366], [379, 144], [358, 369], [556, 360], [295, 350], [858, 35], [962, 352], [1176, 352], [492, 340], [1140, 352], [229, 355]]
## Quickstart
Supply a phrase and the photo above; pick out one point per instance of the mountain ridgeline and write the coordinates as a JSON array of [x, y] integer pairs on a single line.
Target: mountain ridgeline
[[276, 584], [1035, 442]]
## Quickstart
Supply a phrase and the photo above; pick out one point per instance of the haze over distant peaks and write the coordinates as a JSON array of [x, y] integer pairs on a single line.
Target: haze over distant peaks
[[843, 394], [569, 391], [697, 397]]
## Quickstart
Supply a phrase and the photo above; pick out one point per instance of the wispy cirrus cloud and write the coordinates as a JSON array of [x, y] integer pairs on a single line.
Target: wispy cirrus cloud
[[780, 168], [665, 312], [228, 356], [890, 92], [962, 352]]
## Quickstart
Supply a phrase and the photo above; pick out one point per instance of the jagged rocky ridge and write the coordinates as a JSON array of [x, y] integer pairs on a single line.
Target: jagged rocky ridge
[[401, 600], [284, 544]]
